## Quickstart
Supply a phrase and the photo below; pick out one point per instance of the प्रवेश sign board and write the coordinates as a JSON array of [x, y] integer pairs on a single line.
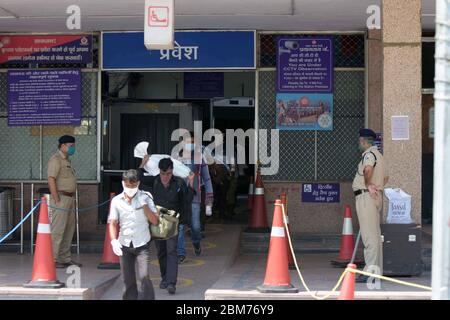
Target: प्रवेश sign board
[[192, 50], [321, 192], [44, 97]]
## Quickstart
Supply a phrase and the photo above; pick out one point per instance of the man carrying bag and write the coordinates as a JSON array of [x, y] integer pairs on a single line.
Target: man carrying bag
[[171, 193], [132, 210]]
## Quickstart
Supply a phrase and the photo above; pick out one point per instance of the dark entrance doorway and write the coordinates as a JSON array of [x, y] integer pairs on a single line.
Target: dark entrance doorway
[[154, 128]]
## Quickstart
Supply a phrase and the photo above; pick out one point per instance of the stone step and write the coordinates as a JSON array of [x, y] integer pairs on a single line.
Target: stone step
[[85, 247]]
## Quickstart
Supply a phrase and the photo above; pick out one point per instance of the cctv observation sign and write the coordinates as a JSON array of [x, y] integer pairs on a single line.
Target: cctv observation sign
[[305, 65]]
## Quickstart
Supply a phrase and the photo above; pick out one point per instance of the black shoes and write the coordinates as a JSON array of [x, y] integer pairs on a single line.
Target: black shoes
[[197, 249], [74, 263], [61, 265], [361, 278], [163, 285], [181, 259], [171, 289]]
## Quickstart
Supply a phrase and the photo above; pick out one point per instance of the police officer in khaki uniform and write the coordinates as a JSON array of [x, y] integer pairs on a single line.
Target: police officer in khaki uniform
[[62, 184], [368, 185]]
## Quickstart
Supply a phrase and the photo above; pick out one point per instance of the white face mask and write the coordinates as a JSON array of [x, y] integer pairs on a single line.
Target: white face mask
[[131, 192]]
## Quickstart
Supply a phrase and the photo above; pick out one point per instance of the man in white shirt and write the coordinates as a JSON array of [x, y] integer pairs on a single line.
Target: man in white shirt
[[132, 210]]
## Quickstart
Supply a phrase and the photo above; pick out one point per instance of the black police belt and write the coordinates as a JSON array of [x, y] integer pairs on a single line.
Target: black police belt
[[360, 191]]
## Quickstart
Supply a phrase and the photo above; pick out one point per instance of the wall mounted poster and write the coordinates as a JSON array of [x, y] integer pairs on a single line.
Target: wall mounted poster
[[304, 111], [304, 99]]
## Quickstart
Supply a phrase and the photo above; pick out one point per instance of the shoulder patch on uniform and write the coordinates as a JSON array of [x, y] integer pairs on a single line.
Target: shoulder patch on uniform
[[368, 156]]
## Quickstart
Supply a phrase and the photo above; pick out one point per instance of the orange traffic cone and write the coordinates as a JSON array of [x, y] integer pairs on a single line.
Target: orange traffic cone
[[258, 217], [348, 285], [277, 277], [250, 195], [44, 271], [109, 258], [347, 240], [289, 252]]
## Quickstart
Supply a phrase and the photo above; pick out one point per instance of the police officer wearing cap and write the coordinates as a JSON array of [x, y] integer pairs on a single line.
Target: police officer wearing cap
[[368, 185], [62, 184]]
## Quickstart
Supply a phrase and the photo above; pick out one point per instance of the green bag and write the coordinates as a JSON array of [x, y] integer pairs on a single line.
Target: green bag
[[167, 226]]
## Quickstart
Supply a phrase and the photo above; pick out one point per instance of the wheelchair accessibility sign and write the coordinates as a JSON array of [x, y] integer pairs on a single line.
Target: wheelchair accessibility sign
[[321, 192], [158, 16]]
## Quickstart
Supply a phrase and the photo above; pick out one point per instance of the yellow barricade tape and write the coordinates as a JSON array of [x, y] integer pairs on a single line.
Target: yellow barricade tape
[[341, 278]]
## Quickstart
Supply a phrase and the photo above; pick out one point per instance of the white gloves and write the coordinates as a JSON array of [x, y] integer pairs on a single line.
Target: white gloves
[[117, 247], [208, 211]]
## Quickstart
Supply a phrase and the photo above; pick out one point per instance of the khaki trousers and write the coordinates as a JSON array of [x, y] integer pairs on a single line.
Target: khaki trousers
[[368, 211], [62, 227]]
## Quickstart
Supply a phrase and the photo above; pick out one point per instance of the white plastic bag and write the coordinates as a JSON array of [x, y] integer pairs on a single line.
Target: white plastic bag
[[399, 206], [179, 169]]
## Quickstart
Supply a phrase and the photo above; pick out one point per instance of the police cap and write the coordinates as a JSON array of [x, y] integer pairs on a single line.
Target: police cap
[[367, 133]]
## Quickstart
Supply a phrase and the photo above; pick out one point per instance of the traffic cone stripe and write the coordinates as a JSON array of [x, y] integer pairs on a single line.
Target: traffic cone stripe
[[44, 272], [277, 232], [259, 191], [43, 228], [347, 228]]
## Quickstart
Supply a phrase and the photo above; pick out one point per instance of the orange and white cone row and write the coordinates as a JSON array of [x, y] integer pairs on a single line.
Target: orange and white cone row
[[258, 217], [277, 278], [109, 258], [44, 271]]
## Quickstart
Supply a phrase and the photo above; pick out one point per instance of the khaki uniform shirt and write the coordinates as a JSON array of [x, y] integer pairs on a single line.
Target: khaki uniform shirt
[[379, 171], [60, 168]]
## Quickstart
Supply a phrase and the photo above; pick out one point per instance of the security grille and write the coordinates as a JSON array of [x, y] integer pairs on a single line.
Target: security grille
[[348, 50], [21, 157], [322, 155]]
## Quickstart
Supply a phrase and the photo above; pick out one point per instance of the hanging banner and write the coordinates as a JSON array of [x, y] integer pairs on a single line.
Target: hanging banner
[[304, 111], [44, 97], [45, 49], [158, 24], [305, 65]]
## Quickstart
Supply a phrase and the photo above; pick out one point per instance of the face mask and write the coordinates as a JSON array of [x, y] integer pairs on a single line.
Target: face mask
[[71, 151], [131, 192], [189, 146]]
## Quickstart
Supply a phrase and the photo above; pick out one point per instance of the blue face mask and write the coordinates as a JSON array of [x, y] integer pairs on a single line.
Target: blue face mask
[[71, 151], [189, 146]]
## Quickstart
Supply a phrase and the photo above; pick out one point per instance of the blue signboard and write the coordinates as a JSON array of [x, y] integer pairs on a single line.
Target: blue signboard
[[203, 85], [193, 50], [44, 97], [321, 192], [305, 64]]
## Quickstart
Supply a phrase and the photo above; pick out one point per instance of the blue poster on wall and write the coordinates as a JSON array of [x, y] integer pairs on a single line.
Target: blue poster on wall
[[305, 64], [192, 50], [321, 192], [304, 111], [44, 97]]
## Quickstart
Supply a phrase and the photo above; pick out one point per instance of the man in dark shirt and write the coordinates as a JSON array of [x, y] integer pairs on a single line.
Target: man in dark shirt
[[171, 193]]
